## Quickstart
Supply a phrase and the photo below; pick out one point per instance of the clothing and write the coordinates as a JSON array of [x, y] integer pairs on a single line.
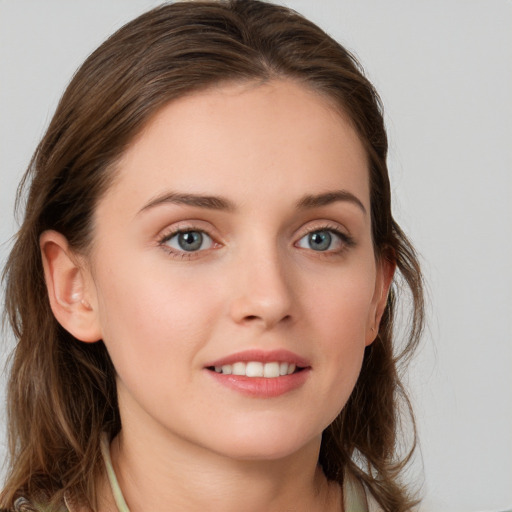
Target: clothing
[[355, 498]]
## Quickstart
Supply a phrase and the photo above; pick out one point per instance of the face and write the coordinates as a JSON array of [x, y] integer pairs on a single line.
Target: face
[[233, 277]]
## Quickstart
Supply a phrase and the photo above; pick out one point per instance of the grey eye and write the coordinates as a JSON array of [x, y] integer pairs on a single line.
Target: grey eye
[[190, 241], [321, 240]]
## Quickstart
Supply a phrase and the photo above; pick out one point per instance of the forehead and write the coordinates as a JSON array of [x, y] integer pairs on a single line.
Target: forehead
[[252, 140]]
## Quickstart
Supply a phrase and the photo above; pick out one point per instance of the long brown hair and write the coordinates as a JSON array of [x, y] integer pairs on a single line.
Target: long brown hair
[[62, 393]]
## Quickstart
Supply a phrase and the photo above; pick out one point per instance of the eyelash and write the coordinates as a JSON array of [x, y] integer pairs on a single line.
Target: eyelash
[[183, 255], [346, 240]]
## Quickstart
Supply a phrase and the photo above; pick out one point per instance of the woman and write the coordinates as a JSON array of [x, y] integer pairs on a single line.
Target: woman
[[202, 285]]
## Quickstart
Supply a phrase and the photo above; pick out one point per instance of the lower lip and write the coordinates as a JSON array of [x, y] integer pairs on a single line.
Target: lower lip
[[262, 387]]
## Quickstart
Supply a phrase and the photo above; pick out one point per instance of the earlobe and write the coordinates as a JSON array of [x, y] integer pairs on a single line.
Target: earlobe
[[385, 271], [70, 289]]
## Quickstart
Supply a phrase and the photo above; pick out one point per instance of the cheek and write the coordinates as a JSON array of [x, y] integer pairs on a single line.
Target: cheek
[[340, 315], [156, 320], [344, 304]]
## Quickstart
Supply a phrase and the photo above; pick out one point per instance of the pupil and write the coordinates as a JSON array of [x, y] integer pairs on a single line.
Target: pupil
[[320, 241], [190, 241]]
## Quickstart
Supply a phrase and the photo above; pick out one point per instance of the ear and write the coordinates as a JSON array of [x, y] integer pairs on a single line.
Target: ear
[[70, 288], [386, 267]]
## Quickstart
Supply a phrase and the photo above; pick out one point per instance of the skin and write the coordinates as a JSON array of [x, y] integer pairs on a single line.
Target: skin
[[188, 442]]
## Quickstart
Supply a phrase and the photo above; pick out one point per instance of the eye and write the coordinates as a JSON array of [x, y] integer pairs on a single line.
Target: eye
[[323, 240], [188, 241]]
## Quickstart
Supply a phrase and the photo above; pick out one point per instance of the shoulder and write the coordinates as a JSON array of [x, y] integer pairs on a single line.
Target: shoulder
[[357, 497], [24, 505], [373, 506]]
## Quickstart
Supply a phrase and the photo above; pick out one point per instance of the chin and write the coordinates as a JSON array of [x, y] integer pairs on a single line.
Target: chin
[[266, 443]]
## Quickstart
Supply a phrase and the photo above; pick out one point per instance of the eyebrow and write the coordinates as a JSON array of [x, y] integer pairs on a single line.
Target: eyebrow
[[223, 204], [327, 198], [198, 200]]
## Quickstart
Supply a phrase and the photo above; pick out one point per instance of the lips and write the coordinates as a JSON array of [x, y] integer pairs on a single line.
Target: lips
[[280, 356], [261, 374]]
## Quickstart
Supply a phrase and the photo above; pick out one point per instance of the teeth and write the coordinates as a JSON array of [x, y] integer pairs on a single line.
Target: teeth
[[257, 369], [227, 369], [254, 369], [271, 370], [239, 369]]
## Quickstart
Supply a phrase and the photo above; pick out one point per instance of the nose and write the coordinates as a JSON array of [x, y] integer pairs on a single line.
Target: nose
[[262, 290]]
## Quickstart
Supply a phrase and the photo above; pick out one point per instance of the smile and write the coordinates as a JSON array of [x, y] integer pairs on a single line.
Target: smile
[[261, 374], [268, 370]]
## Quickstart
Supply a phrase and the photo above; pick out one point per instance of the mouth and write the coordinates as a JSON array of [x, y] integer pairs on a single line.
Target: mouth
[[261, 374], [269, 370]]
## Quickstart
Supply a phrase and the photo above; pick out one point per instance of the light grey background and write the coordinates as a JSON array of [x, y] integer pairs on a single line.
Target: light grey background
[[444, 70]]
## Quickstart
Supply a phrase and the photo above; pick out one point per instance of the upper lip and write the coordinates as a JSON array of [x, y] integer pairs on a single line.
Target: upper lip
[[263, 356]]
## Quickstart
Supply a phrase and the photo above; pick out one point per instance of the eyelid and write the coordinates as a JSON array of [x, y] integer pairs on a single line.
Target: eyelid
[[323, 225], [342, 233], [205, 238], [183, 227]]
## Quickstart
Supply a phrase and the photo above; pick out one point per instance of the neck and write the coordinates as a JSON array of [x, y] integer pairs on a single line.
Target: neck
[[171, 474]]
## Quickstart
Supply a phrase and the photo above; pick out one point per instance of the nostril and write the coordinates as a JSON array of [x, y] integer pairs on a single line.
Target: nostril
[[253, 309], [253, 318]]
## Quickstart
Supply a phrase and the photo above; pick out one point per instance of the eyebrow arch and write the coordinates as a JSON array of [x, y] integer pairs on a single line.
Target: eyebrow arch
[[220, 203], [198, 200], [318, 200]]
